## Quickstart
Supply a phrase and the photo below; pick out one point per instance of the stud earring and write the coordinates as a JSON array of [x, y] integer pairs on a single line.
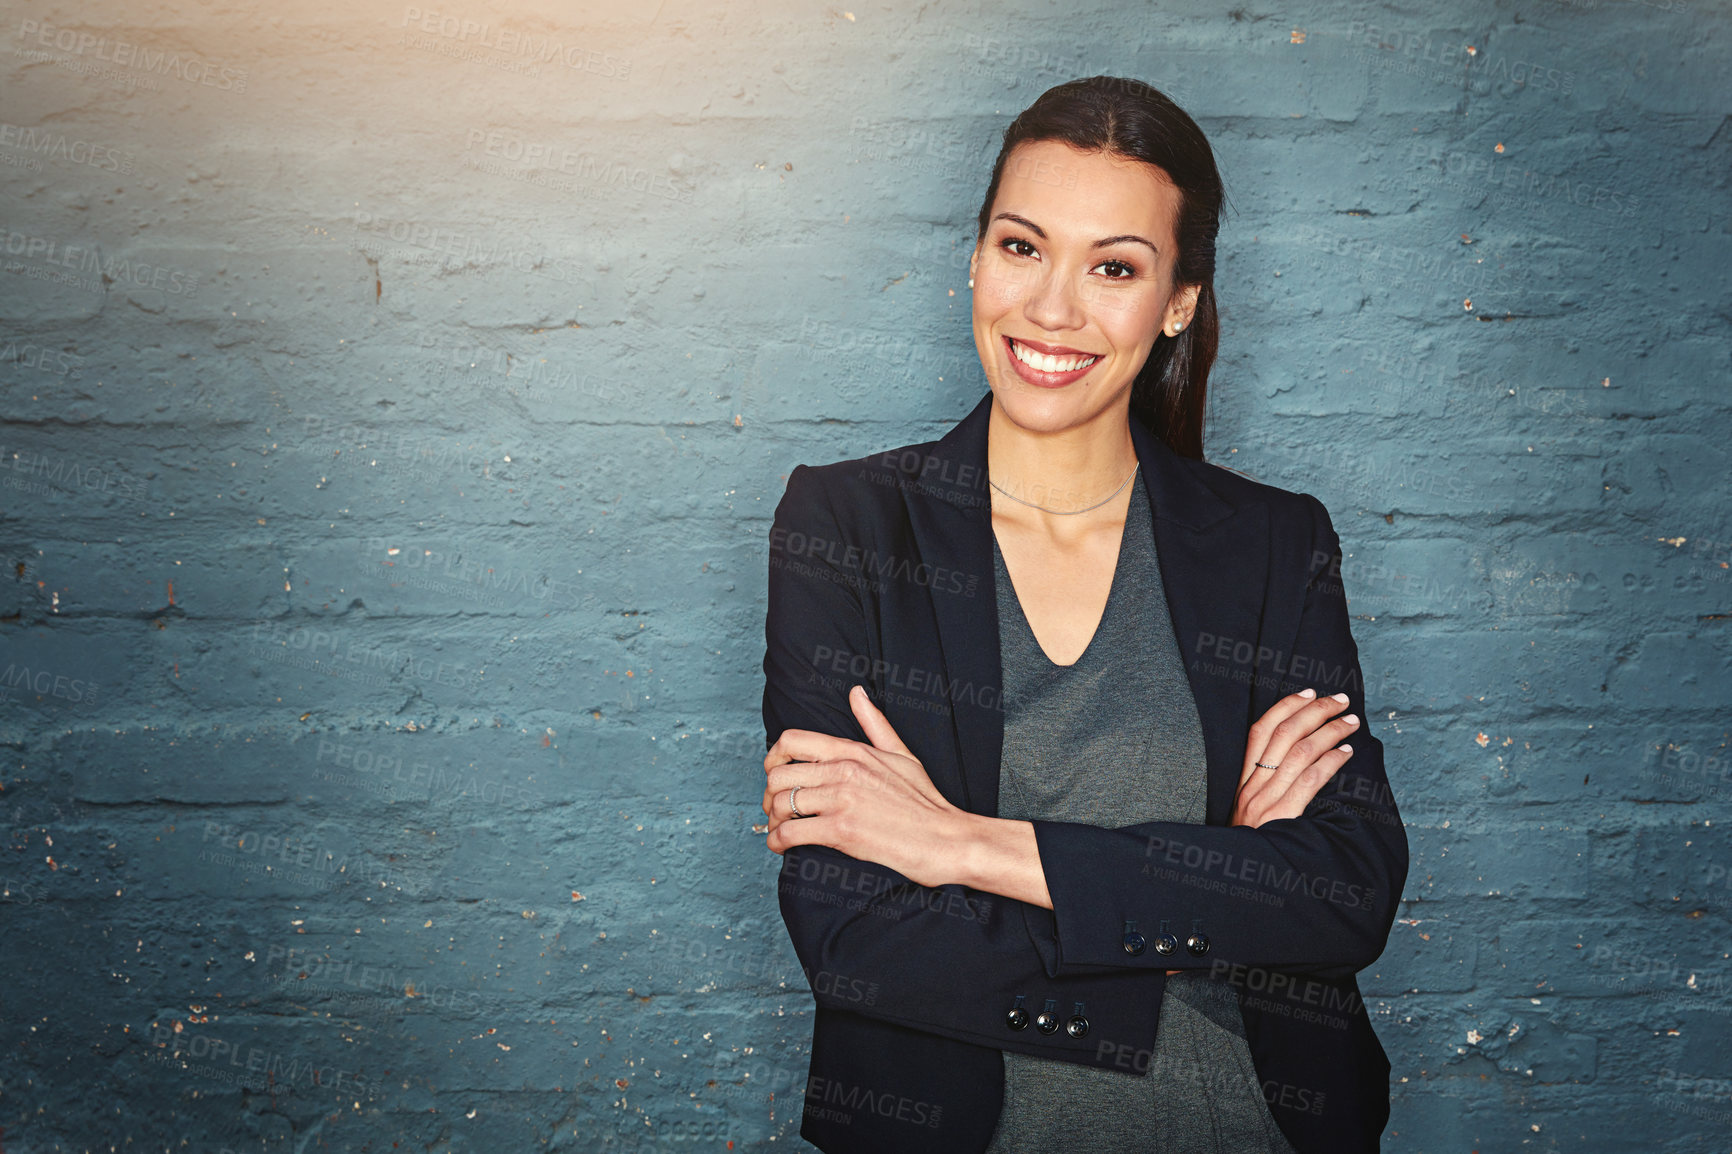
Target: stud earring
[[970, 282]]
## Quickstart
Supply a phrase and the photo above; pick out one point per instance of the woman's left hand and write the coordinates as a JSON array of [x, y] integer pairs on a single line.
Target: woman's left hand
[[872, 802]]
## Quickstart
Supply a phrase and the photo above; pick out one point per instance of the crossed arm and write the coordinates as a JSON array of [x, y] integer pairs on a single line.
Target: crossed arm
[[889, 877], [873, 800]]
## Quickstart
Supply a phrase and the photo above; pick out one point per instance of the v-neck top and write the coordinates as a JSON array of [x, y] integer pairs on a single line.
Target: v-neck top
[[1112, 740]]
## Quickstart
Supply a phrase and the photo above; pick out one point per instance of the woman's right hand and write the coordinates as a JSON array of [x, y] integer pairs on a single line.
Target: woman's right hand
[[1305, 747], [1298, 738]]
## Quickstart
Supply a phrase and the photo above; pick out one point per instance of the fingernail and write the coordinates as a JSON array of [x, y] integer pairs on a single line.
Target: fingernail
[[1341, 697], [1307, 693], [1345, 748], [1351, 719]]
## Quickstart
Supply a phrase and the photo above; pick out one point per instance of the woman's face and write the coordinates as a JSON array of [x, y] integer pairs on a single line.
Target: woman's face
[[1073, 281]]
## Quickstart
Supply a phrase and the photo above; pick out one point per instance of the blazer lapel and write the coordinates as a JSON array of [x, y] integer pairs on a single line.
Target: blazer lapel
[[950, 513], [1214, 566], [1214, 559]]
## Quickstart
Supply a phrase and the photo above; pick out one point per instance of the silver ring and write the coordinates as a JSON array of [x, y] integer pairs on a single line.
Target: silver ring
[[1265, 765], [792, 794]]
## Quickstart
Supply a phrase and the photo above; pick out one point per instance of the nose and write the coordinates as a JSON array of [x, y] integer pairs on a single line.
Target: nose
[[1054, 301]]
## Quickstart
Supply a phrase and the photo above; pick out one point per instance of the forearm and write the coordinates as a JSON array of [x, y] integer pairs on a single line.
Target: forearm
[[949, 960], [1315, 893], [1000, 856]]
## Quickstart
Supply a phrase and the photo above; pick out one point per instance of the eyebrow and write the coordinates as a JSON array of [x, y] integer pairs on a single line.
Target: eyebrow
[[1040, 232]]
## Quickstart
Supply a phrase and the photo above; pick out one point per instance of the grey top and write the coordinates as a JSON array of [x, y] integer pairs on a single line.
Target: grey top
[[1111, 741]]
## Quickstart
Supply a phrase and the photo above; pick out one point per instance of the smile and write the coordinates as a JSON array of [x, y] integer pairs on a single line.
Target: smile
[[1050, 364]]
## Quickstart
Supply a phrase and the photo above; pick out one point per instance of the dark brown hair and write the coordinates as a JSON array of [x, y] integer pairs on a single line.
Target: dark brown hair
[[1135, 120]]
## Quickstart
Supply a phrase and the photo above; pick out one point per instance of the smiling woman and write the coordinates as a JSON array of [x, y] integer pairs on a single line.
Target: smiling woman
[[1016, 809]]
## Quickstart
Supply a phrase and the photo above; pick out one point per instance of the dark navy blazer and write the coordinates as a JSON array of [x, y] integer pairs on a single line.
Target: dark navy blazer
[[881, 574]]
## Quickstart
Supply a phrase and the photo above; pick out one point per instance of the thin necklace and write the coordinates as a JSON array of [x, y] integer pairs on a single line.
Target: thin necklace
[[1068, 512]]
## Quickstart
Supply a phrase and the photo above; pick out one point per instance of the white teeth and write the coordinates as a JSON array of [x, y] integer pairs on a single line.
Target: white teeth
[[1046, 363]]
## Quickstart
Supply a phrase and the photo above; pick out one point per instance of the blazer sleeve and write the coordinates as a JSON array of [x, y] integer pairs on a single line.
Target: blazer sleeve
[[1313, 894], [942, 959]]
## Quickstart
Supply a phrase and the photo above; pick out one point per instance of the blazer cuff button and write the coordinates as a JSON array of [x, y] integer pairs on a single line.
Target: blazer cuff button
[[1078, 1025]]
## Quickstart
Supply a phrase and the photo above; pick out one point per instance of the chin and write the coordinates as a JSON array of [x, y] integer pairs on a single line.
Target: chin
[[1049, 412]]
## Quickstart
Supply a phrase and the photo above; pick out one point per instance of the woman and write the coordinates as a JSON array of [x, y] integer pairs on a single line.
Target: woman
[[1051, 701]]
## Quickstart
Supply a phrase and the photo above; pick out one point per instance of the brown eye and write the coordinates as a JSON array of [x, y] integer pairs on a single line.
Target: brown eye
[[1123, 270], [1016, 245]]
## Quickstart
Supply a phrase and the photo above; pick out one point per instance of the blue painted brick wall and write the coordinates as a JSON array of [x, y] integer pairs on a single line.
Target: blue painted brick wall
[[394, 403]]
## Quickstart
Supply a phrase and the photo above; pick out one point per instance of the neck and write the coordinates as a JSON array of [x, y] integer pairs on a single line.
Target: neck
[[1066, 469]]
